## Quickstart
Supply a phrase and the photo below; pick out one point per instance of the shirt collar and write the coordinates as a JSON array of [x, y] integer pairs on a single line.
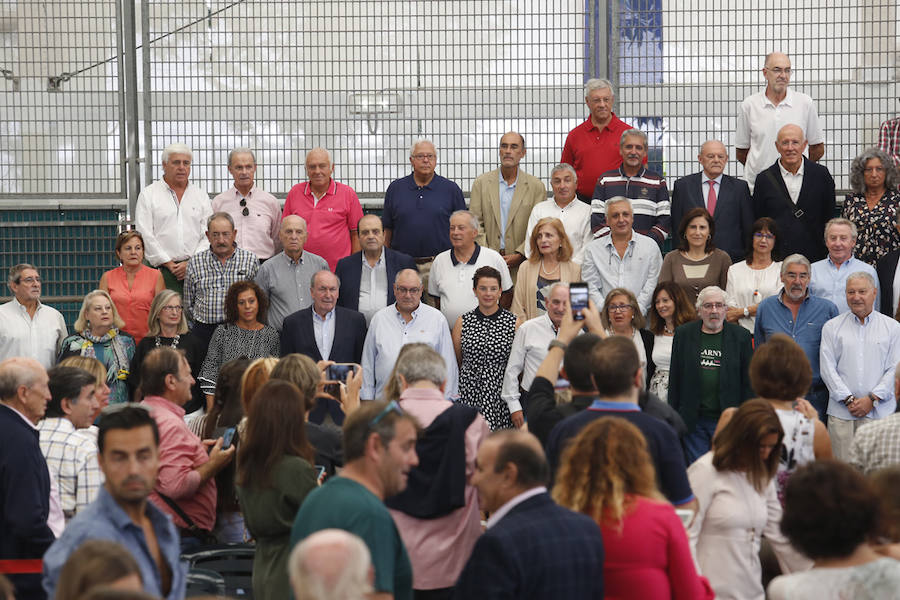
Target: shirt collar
[[238, 193], [640, 174], [605, 405], [704, 178], [328, 316], [786, 173], [782, 292], [417, 394], [162, 403], [23, 417], [58, 424], [290, 261], [471, 260], [788, 99], [607, 127], [120, 518], [514, 502], [332, 184], [21, 306], [415, 186], [365, 262], [413, 312], [847, 262]]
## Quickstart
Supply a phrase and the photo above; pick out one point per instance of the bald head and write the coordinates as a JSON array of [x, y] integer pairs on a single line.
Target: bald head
[[713, 156], [318, 170], [293, 235], [23, 386], [523, 450], [331, 564]]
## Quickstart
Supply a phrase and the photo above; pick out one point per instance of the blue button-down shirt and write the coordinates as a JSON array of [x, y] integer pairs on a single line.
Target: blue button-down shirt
[[858, 359], [829, 281], [637, 271], [774, 316], [104, 519], [419, 217], [506, 195], [323, 329]]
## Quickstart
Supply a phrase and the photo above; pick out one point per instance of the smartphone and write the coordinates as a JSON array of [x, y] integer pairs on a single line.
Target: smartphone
[[685, 515], [228, 438], [320, 474], [339, 371], [578, 299]]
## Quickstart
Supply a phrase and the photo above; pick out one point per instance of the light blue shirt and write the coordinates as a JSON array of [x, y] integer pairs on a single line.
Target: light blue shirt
[[637, 271], [830, 282], [323, 329], [860, 358], [506, 196], [389, 331]]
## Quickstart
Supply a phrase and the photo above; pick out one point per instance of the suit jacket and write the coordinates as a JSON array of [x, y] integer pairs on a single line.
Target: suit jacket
[[349, 270], [885, 269], [538, 551], [485, 203], [733, 214], [684, 373], [349, 334], [804, 235], [24, 500]]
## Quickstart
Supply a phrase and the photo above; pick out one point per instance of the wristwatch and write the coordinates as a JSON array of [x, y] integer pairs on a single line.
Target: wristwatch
[[746, 311], [556, 344], [875, 400], [846, 401]]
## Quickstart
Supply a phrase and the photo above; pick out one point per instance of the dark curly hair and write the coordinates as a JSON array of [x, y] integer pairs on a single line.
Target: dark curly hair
[[231, 299]]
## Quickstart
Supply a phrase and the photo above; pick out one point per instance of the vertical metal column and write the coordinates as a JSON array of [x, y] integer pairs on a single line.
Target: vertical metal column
[[132, 149], [147, 116]]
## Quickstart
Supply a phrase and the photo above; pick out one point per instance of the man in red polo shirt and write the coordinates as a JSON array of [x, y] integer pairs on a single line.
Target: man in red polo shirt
[[593, 147], [331, 210]]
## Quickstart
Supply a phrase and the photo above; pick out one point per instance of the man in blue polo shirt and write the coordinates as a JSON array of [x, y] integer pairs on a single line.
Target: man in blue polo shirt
[[417, 209], [617, 374]]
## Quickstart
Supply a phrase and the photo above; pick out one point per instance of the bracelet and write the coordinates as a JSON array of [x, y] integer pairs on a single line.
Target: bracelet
[[556, 344]]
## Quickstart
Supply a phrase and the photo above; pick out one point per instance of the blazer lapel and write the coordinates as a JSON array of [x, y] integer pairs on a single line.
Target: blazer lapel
[[494, 197]]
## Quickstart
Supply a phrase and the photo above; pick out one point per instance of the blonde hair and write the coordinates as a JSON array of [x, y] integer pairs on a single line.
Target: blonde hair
[[81, 322], [160, 300], [256, 375], [565, 249]]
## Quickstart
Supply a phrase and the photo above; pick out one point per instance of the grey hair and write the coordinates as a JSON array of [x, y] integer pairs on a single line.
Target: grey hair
[[420, 362], [473, 220], [564, 167], [283, 219], [319, 149], [862, 275], [858, 167], [633, 133], [399, 273], [241, 151], [177, 148], [597, 84], [841, 221], [312, 281], [412, 148], [330, 564], [555, 285], [219, 215], [795, 259], [618, 200], [15, 372], [710, 289], [15, 272]]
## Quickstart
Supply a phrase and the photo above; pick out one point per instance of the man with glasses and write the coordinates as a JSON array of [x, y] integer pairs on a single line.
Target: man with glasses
[[417, 209], [379, 441], [331, 209], [406, 321], [795, 312], [709, 372], [28, 327], [211, 272], [829, 275], [256, 212], [764, 113]]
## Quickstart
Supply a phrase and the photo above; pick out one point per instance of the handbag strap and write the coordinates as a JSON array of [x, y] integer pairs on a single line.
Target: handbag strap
[[178, 511], [795, 210]]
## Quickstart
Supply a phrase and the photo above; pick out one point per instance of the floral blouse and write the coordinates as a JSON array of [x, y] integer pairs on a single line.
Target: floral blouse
[[877, 235]]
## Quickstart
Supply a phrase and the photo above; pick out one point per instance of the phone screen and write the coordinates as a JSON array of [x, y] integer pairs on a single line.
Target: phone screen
[[228, 438], [578, 299], [339, 371]]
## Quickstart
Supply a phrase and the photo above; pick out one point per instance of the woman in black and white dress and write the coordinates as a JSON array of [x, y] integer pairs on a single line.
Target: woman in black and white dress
[[483, 339], [243, 334]]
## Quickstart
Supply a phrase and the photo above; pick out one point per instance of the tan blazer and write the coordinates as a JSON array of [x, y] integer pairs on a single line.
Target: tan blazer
[[524, 303], [485, 203]]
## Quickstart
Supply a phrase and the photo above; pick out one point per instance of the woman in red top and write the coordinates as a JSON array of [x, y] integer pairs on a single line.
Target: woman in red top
[[606, 473], [133, 285]]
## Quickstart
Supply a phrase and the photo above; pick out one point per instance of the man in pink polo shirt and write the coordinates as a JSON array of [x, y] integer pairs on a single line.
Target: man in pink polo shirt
[[331, 210], [186, 471]]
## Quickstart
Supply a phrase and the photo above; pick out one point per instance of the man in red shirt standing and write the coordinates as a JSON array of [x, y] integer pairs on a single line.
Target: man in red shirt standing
[[331, 210], [593, 147]]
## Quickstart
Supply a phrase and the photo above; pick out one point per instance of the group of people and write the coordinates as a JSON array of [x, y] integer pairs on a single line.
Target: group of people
[[328, 383]]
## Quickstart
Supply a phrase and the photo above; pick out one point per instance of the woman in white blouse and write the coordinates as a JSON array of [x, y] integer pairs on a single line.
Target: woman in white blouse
[[755, 279], [735, 486], [669, 309]]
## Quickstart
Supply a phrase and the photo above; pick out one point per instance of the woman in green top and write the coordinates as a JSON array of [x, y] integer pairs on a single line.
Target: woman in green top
[[274, 475]]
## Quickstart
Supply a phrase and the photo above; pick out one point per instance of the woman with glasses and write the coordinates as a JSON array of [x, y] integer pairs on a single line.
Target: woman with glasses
[[697, 263], [622, 316], [756, 278], [873, 205], [132, 285], [167, 326], [99, 336], [550, 262], [669, 310]]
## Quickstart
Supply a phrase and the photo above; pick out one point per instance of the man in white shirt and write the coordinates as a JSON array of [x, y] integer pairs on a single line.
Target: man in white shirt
[[575, 216], [27, 327], [451, 283], [829, 275], [763, 114], [529, 349], [407, 320], [171, 215]]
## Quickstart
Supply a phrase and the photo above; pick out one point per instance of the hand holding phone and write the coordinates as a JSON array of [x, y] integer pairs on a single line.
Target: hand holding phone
[[578, 299]]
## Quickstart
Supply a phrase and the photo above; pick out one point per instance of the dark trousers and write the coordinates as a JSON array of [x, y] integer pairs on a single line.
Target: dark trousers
[[818, 397], [326, 406], [699, 441], [203, 332], [438, 594]]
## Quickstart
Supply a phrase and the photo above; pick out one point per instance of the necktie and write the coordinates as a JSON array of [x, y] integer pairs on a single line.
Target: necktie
[[711, 199]]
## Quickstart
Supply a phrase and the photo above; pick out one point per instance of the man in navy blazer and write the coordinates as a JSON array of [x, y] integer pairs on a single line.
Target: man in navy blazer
[[533, 549], [381, 267], [729, 204], [798, 194]]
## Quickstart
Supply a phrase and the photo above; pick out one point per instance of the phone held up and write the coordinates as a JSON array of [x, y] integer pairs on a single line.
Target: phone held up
[[578, 299]]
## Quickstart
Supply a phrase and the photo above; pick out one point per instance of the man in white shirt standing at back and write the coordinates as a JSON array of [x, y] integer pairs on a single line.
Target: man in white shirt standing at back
[[171, 215], [29, 328]]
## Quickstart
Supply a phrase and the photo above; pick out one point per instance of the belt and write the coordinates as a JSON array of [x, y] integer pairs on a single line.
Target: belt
[[421, 260]]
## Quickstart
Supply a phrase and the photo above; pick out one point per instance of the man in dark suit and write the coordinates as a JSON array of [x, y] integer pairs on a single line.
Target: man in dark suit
[[533, 548], [886, 268], [798, 194], [367, 277], [726, 198]]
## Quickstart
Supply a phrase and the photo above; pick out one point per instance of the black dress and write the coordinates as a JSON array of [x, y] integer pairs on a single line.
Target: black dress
[[194, 351], [486, 341]]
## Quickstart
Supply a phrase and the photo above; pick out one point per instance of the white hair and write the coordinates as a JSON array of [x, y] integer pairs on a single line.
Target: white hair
[[473, 220], [708, 290], [597, 84], [412, 149], [420, 362], [330, 564], [619, 200], [841, 221], [319, 149], [176, 148], [795, 259], [865, 276], [241, 151]]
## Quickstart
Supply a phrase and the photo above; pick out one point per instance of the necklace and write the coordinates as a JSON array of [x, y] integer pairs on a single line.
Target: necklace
[[548, 273], [668, 330], [174, 341]]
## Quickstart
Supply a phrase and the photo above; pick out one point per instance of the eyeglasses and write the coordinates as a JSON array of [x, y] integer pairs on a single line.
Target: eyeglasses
[[404, 291], [30, 280], [173, 308], [619, 307], [392, 406], [763, 236], [793, 276], [780, 71], [423, 156], [245, 211], [713, 306]]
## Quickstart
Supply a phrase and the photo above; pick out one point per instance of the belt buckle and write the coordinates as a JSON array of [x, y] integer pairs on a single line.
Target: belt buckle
[[798, 213]]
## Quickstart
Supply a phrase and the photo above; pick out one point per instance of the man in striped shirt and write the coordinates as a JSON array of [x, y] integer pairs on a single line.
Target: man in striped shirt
[[646, 190]]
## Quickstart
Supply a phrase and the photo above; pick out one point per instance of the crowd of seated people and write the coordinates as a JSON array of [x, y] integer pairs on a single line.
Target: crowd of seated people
[[522, 398]]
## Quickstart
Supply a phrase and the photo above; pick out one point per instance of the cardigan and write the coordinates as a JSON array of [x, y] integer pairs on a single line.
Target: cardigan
[[524, 304]]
